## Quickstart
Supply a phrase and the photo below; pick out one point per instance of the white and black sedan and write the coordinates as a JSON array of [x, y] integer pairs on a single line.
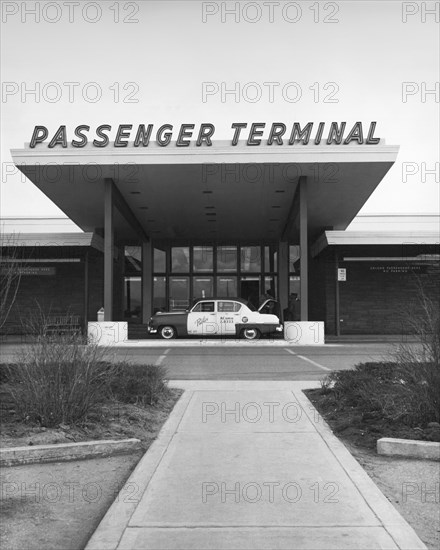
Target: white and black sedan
[[219, 317]]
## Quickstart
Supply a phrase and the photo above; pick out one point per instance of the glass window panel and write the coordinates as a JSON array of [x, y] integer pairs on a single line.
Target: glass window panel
[[207, 307], [227, 287], [226, 258], [133, 260], [203, 287], [293, 311], [203, 258], [179, 293], [228, 307], [270, 287], [270, 259], [133, 297], [294, 258], [160, 265], [159, 294], [251, 259], [180, 259]]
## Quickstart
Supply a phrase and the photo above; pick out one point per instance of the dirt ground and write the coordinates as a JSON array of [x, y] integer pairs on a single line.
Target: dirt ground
[[111, 420], [59, 505], [411, 485]]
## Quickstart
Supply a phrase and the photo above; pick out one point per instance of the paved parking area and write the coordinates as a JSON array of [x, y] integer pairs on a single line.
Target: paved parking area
[[248, 362], [256, 363]]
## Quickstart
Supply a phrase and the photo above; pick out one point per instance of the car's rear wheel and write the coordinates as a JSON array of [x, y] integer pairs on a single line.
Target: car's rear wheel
[[167, 332], [250, 333]]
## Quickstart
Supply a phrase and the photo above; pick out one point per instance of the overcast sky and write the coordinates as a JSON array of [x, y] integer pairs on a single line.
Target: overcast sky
[[355, 55]]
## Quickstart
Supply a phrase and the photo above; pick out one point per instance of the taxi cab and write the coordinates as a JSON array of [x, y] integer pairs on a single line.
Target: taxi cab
[[219, 317]]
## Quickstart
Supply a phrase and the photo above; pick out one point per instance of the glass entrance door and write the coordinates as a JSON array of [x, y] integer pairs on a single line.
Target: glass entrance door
[[250, 290]]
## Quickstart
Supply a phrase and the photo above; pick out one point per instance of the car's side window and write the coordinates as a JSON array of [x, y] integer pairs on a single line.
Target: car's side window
[[225, 307], [207, 307], [228, 307]]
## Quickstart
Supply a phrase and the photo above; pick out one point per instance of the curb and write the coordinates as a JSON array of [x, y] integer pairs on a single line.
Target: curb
[[109, 532], [14, 456], [410, 448], [398, 528]]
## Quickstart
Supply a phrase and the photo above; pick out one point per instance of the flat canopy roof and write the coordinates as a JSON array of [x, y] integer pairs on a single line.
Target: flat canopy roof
[[36, 240], [365, 238], [217, 193]]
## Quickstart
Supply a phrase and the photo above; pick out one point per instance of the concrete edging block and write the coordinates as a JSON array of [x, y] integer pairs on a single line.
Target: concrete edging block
[[390, 446], [107, 333], [304, 333], [15, 456]]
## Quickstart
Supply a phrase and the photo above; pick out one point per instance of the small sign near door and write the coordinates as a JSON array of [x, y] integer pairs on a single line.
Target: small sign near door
[[342, 274]]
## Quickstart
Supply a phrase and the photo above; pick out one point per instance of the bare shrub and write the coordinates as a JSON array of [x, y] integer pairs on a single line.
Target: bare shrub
[[10, 274], [422, 318], [141, 384], [58, 379], [393, 392]]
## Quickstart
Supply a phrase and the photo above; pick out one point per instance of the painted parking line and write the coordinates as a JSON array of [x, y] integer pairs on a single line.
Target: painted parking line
[[161, 358], [307, 359]]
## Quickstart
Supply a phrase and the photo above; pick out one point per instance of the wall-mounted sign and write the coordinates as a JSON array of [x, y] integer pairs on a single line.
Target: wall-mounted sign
[[255, 133], [390, 268], [48, 271], [342, 274]]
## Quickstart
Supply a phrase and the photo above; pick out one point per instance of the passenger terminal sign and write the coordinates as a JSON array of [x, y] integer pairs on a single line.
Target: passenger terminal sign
[[255, 134]]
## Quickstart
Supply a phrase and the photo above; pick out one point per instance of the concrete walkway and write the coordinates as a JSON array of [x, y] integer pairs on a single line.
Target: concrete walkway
[[250, 465]]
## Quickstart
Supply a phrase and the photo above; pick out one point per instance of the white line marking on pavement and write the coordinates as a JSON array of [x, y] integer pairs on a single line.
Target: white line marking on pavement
[[161, 358], [307, 359]]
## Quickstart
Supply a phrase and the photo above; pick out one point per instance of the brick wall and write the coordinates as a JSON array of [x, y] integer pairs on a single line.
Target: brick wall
[[60, 293], [378, 296]]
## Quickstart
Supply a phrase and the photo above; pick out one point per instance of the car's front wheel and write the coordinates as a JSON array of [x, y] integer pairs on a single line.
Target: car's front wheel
[[250, 334], [167, 332]]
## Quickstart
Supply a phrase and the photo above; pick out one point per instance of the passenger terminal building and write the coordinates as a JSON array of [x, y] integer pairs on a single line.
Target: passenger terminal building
[[165, 225]]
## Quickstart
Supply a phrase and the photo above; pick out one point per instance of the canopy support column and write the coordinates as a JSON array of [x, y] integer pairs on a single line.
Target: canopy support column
[[303, 238], [108, 250], [147, 281]]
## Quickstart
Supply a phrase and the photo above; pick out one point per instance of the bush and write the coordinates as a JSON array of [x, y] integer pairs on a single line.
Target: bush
[[58, 380], [142, 384], [394, 392]]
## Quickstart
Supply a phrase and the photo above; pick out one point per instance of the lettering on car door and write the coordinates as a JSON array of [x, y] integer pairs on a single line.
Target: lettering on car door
[[228, 316], [202, 319]]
